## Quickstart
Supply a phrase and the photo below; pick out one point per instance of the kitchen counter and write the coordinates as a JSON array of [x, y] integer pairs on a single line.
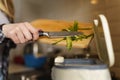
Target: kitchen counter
[[16, 68], [16, 71]]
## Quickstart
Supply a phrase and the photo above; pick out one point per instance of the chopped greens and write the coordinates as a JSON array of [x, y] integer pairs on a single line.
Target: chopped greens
[[69, 42], [70, 39]]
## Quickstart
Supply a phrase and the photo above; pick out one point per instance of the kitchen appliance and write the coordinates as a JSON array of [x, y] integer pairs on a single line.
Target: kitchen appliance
[[89, 69]]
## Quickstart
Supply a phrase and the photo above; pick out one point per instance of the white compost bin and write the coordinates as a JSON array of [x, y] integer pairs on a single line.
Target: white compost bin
[[89, 69]]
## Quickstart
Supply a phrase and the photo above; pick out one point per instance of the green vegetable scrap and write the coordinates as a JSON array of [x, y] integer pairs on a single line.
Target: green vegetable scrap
[[69, 42], [70, 39]]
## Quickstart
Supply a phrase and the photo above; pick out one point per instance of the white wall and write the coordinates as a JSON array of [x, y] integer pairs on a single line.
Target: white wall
[[28, 10]]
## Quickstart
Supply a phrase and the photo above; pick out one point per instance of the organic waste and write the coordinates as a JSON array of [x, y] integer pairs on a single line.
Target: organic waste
[[70, 39]]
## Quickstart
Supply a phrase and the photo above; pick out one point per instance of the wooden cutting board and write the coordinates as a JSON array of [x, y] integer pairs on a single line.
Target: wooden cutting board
[[57, 25]]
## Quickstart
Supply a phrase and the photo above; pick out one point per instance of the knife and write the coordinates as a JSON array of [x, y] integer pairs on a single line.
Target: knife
[[59, 34]]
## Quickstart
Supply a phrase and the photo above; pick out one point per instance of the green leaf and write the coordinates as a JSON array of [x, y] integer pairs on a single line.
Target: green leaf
[[69, 42], [75, 26]]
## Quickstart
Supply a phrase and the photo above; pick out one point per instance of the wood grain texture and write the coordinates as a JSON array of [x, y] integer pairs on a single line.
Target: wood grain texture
[[57, 25]]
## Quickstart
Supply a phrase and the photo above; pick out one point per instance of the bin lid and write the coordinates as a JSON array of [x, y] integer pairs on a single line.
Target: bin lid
[[103, 40]]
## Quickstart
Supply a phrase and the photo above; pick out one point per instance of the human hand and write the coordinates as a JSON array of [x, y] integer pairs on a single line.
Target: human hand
[[20, 32]]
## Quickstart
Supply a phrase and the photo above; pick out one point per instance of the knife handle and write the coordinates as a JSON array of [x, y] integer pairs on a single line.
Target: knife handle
[[41, 33]]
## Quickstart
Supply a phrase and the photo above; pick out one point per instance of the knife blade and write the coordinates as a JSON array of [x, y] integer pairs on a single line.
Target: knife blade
[[59, 34]]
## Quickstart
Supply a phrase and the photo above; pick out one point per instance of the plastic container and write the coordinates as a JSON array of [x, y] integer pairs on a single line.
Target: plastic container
[[81, 69]]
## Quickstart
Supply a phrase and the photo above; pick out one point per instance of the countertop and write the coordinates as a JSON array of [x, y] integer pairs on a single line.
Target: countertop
[[16, 68], [16, 71]]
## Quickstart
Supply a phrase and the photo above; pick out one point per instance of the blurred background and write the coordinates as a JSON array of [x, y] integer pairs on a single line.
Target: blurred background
[[69, 10]]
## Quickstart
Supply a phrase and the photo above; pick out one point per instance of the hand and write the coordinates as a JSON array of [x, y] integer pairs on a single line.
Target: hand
[[20, 32]]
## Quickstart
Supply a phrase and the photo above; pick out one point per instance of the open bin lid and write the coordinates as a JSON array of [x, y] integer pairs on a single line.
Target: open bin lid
[[103, 40]]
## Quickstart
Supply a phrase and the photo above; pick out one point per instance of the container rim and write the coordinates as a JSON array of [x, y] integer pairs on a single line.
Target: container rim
[[82, 64]]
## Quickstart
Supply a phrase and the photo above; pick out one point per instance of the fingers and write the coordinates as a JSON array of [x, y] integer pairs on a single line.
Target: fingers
[[20, 32], [20, 35], [14, 37], [27, 34], [33, 31]]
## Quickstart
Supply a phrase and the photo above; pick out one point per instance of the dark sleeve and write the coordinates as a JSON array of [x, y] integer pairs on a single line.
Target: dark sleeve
[[2, 36], [3, 39]]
